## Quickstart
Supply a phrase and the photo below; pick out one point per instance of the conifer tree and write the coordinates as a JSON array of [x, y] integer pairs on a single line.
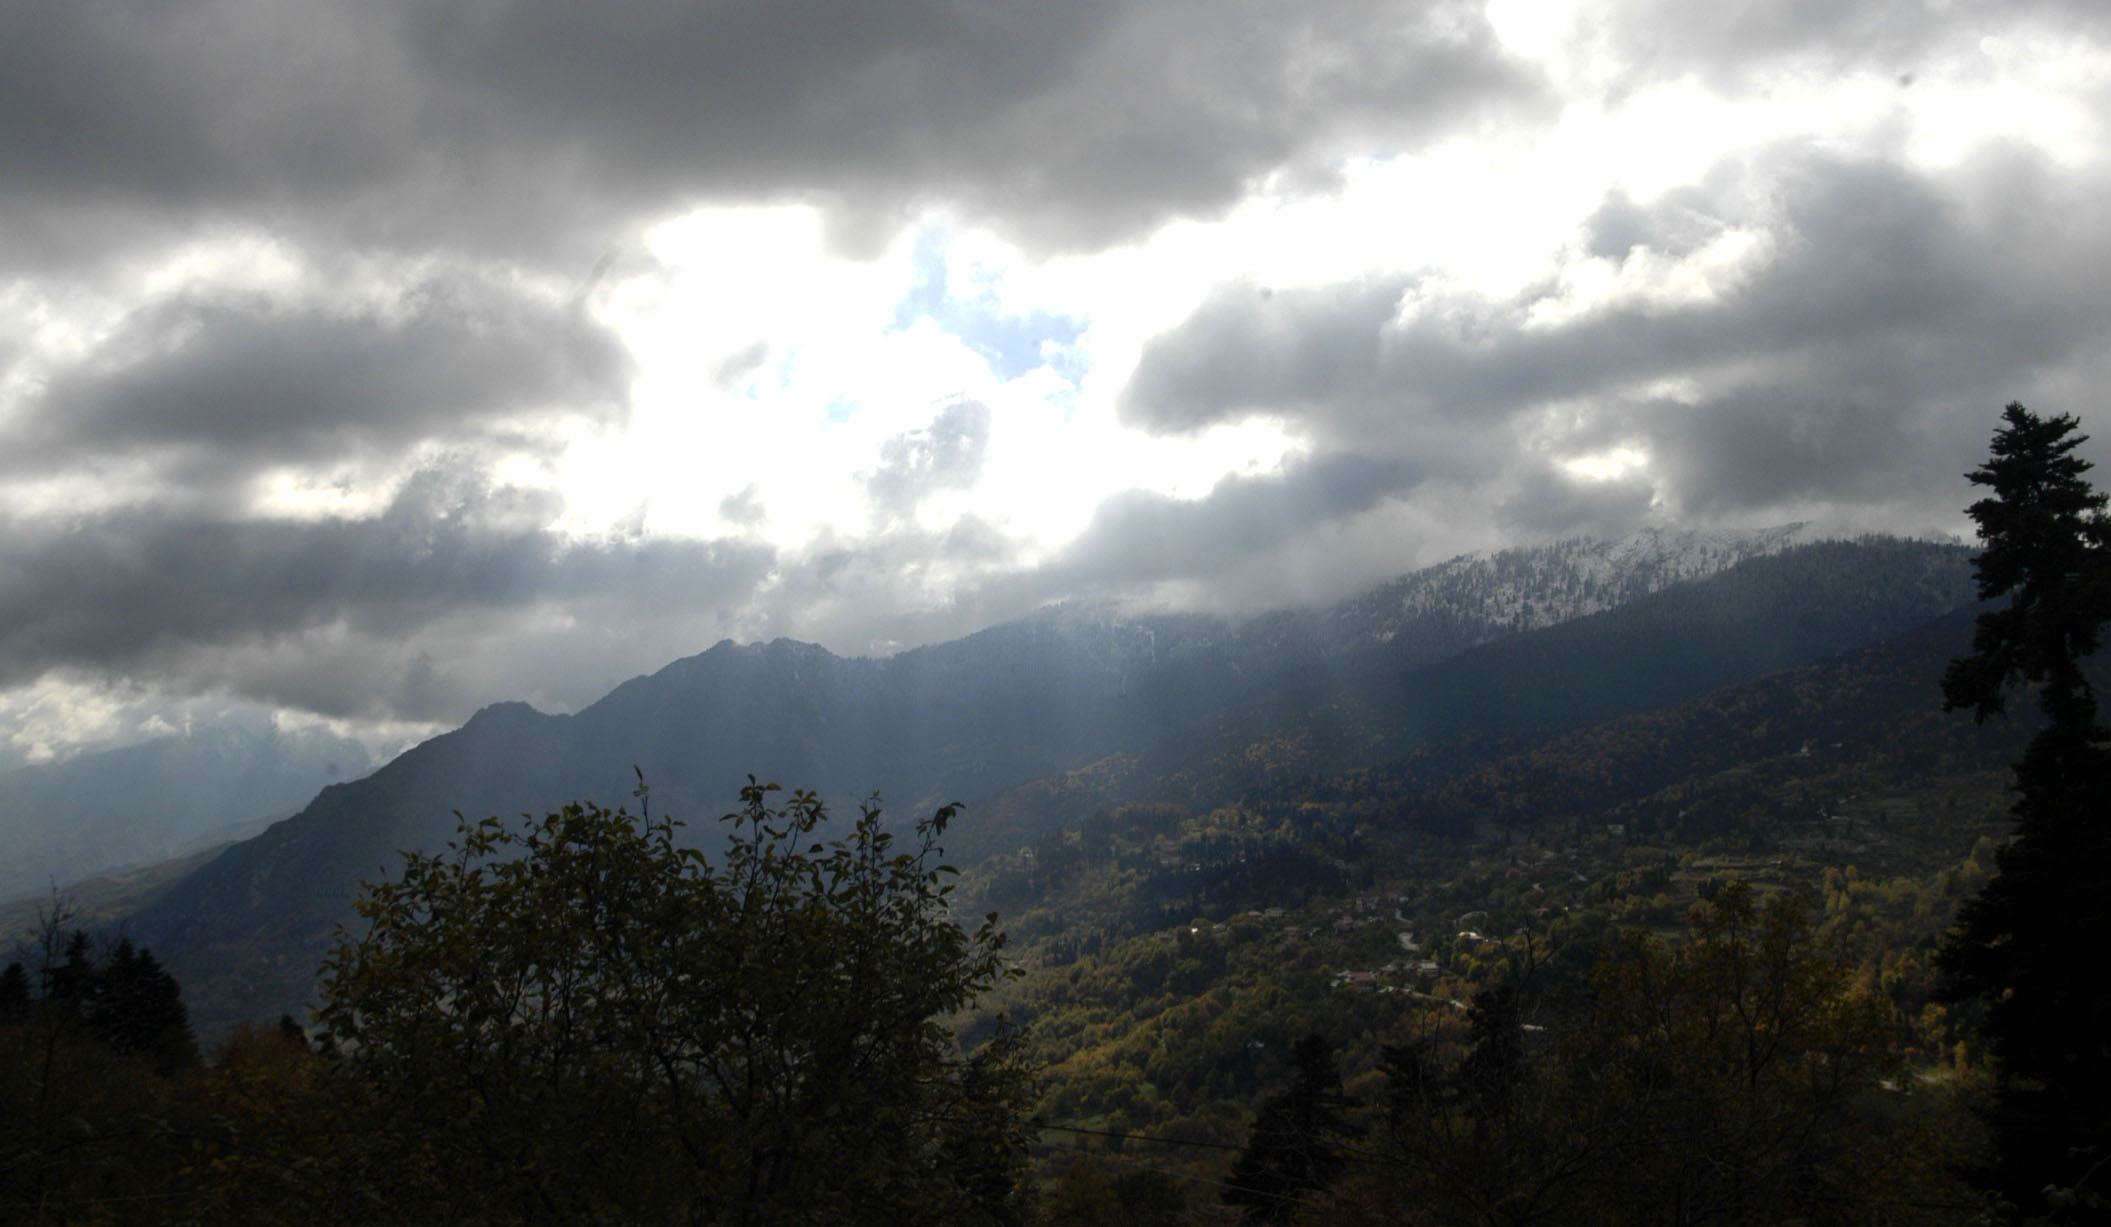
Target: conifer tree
[[1296, 1147], [14, 992], [139, 1010], [2034, 945], [73, 981]]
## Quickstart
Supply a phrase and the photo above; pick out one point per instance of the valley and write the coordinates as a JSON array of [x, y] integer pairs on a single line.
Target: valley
[[1207, 841]]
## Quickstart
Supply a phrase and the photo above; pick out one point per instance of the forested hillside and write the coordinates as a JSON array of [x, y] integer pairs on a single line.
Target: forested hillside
[[1348, 958], [1377, 937], [1034, 613], [1176, 957], [1100, 710], [1764, 615]]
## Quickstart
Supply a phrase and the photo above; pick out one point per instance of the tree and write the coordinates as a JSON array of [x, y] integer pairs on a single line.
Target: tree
[[1090, 1194], [1730, 1077], [87, 1045], [2032, 945], [14, 993], [1744, 1059], [580, 1019], [1296, 1147], [73, 981], [138, 1009]]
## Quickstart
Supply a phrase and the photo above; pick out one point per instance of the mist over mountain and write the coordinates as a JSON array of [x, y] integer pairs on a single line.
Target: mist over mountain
[[1035, 406], [156, 799], [1767, 614], [1436, 655]]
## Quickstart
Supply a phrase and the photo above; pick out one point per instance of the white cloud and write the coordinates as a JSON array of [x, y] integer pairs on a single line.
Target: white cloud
[[675, 292]]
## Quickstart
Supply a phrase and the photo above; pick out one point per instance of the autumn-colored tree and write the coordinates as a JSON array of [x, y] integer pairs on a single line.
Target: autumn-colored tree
[[1724, 1078]]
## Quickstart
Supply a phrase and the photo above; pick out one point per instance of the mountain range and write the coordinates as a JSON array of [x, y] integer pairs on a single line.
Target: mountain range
[[1038, 723], [212, 782]]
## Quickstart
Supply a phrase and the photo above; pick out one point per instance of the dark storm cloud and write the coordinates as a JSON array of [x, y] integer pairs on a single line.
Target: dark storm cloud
[[1265, 351], [225, 384], [1901, 315], [946, 455], [126, 117], [1753, 446], [875, 594], [145, 593], [520, 125], [1888, 314], [1678, 225], [1552, 503], [1377, 361], [1141, 538]]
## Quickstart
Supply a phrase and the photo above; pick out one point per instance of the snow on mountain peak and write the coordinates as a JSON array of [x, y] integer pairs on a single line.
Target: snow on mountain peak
[[1530, 587]]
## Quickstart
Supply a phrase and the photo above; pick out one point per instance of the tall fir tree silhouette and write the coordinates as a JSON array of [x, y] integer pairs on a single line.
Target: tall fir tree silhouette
[[2035, 944]]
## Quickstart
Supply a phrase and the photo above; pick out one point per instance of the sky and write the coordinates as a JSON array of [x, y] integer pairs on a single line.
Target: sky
[[368, 363]]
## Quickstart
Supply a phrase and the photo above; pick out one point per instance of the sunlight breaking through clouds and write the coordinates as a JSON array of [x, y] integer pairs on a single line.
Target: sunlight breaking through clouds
[[1250, 302]]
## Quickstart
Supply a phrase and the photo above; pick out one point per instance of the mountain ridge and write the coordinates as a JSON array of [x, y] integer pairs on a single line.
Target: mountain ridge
[[959, 721]]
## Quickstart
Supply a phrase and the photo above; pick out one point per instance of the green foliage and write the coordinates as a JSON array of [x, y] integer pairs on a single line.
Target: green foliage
[[579, 1018], [89, 1042], [1298, 1136], [1182, 1029], [280, 1142], [136, 1007], [2045, 544], [1733, 1077], [1092, 1193], [84, 1131]]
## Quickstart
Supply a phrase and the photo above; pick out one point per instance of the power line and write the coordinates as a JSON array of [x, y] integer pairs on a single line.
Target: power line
[[1136, 1137]]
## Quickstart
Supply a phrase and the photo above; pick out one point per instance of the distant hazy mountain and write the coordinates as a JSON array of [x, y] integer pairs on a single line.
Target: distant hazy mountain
[[970, 719], [62, 821]]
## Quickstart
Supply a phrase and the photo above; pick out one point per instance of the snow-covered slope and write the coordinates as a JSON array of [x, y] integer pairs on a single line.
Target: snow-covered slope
[[1532, 587]]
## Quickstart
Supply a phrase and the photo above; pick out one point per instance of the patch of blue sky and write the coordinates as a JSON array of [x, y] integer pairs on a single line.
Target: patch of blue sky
[[1067, 361], [775, 376], [1012, 344], [1066, 398]]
